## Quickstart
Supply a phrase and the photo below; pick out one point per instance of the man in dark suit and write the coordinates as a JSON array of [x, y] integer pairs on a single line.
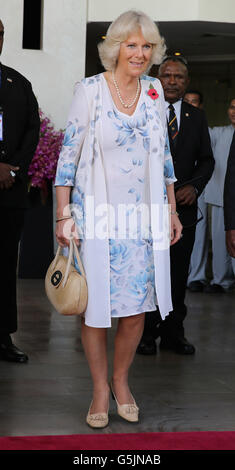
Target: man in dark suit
[[193, 163], [229, 200], [19, 132]]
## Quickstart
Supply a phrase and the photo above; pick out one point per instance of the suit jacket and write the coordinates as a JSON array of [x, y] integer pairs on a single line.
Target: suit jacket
[[192, 157], [21, 124], [229, 190]]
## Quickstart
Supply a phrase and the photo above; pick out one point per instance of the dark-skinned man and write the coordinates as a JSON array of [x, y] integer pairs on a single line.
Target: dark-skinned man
[[193, 163], [194, 97], [19, 132]]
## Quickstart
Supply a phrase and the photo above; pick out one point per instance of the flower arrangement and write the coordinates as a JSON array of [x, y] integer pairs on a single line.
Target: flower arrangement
[[44, 162]]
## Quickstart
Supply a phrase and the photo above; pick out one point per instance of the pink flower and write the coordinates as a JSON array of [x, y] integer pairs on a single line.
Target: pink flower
[[44, 163]]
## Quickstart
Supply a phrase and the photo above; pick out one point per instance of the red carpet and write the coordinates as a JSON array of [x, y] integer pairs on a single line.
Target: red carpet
[[140, 441]]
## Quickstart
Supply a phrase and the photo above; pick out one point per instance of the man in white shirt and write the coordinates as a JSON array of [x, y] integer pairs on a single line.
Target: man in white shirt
[[223, 266]]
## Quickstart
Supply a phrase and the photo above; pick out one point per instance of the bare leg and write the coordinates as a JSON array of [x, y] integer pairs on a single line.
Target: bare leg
[[129, 333], [94, 341]]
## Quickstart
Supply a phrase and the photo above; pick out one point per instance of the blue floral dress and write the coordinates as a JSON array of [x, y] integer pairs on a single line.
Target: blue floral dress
[[126, 161]]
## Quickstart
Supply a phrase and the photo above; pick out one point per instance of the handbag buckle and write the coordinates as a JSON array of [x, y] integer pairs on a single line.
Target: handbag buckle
[[56, 278]]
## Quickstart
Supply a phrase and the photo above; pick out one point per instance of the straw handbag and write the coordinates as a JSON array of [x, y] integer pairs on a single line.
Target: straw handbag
[[65, 287]]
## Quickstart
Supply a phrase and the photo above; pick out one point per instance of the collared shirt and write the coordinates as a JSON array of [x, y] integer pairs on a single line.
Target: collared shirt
[[177, 107]]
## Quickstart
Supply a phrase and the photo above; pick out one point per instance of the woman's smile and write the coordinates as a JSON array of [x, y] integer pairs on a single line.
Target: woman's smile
[[135, 53]]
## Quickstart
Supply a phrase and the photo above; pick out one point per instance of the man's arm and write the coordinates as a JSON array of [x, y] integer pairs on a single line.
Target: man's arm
[[229, 200], [187, 195], [7, 175], [205, 160], [22, 158]]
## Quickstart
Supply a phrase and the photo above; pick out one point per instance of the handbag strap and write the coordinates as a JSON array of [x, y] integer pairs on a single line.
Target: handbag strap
[[70, 257], [76, 253], [73, 250], [56, 257]]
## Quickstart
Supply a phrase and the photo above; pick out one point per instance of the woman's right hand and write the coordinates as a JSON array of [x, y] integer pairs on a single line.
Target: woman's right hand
[[176, 229], [65, 230]]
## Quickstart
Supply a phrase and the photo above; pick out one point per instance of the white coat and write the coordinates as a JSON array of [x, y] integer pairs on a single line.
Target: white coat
[[80, 165]]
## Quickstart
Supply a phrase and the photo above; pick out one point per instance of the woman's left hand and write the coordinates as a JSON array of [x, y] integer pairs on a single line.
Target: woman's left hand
[[176, 229]]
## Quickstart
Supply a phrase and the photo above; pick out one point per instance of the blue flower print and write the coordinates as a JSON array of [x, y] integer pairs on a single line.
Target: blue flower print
[[90, 81], [65, 174], [165, 194], [167, 146], [148, 254], [113, 288], [71, 135], [129, 128], [120, 254], [168, 169], [148, 78], [132, 280], [146, 143], [140, 285], [78, 198]]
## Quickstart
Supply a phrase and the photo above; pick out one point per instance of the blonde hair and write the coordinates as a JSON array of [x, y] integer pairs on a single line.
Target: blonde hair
[[121, 29]]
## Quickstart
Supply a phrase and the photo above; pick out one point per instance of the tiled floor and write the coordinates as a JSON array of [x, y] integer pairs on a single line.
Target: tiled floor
[[51, 394]]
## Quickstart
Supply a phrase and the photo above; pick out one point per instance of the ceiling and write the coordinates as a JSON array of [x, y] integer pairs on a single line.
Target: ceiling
[[198, 41]]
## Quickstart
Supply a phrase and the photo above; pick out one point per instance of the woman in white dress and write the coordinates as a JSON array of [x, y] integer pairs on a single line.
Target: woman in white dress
[[115, 155]]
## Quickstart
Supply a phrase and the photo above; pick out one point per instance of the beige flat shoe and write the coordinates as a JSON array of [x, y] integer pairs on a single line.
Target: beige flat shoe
[[97, 420], [129, 412]]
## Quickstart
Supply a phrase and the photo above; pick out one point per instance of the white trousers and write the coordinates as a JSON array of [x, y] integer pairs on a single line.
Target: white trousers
[[223, 265]]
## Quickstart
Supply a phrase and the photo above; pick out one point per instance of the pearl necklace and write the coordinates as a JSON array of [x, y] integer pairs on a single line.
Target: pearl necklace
[[119, 94]]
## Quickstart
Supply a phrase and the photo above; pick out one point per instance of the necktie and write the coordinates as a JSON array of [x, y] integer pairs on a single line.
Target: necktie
[[172, 125]]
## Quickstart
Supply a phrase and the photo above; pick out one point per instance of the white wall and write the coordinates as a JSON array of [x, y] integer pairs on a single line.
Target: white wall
[[54, 69], [170, 10], [222, 11], [158, 10]]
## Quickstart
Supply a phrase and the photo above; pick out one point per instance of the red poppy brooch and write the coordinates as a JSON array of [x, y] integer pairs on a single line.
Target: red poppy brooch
[[152, 92]]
